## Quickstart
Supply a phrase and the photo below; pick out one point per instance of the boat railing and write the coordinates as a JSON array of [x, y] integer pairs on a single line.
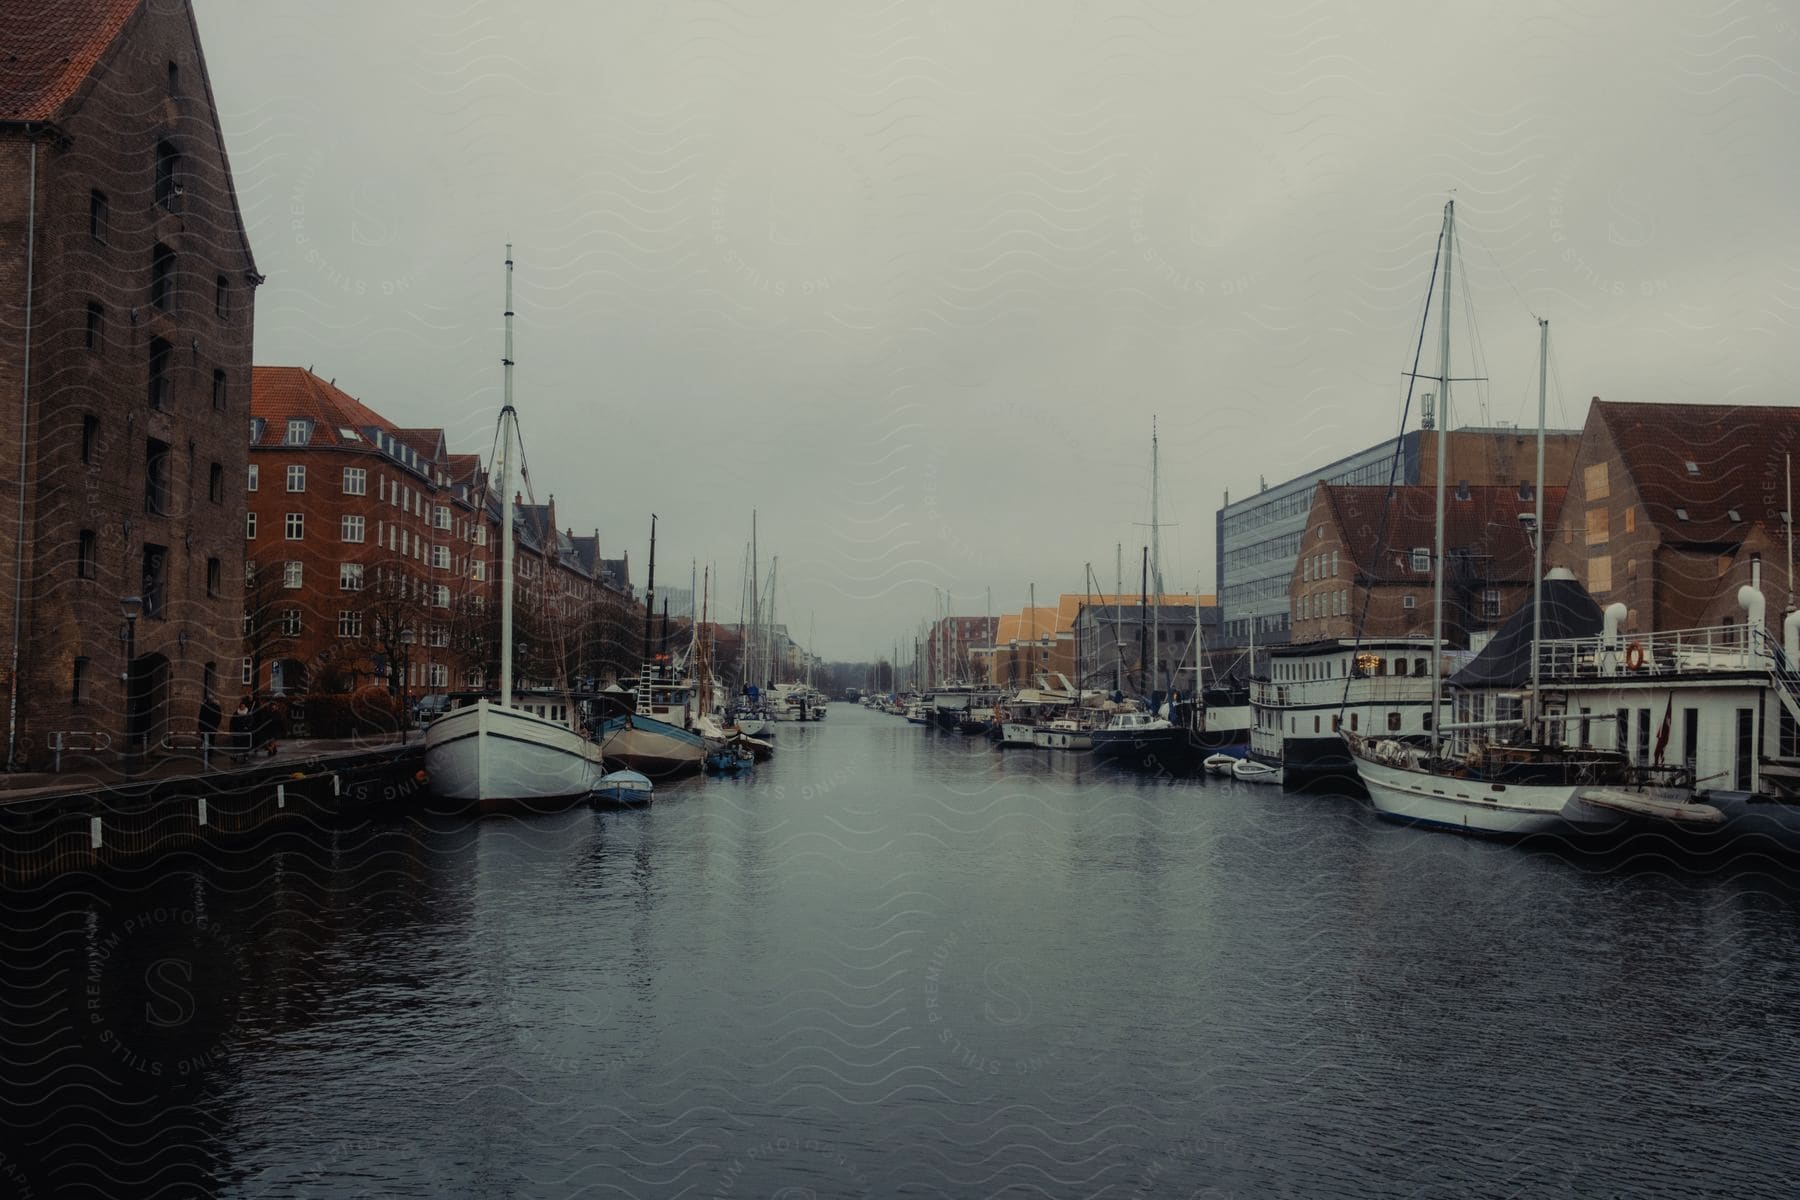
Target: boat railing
[[1714, 648]]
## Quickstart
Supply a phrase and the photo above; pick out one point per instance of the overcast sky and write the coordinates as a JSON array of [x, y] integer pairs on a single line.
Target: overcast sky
[[911, 278]]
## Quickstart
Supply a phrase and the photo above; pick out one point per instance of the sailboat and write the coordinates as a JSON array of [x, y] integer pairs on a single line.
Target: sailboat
[[1517, 787], [493, 753], [656, 737]]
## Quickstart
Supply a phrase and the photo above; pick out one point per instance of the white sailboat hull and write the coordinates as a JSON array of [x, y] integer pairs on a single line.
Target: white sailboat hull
[[487, 754], [1016, 733], [1474, 805]]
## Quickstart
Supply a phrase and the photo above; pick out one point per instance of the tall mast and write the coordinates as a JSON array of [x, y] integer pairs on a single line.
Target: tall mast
[[508, 419], [1118, 621], [1537, 541], [1080, 659], [774, 565], [1790, 530], [1155, 571], [649, 604], [704, 674], [1144, 616], [755, 606], [1443, 471]]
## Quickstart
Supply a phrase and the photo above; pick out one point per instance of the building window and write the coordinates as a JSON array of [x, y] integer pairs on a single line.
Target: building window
[[162, 357], [440, 517], [249, 676], [352, 529], [1693, 468], [296, 527], [254, 477], [440, 557], [78, 682], [215, 484], [213, 578], [168, 177], [356, 481], [1599, 573], [349, 623], [162, 278], [478, 570], [440, 675], [249, 527], [440, 596], [174, 81], [87, 555], [1334, 563], [296, 479], [96, 326], [1594, 483], [155, 580], [292, 574], [90, 438], [1421, 560], [1407, 602], [1598, 522], [99, 213], [222, 298], [350, 577], [219, 390], [290, 622], [257, 424], [156, 477], [299, 431], [1490, 603], [439, 636]]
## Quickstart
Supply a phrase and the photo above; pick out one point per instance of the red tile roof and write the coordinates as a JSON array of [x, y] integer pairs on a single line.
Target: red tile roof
[[1380, 536], [49, 48], [1739, 454], [279, 393]]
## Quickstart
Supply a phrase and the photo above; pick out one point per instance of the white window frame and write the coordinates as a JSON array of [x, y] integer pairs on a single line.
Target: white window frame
[[352, 527], [290, 622], [293, 574], [440, 595], [296, 475], [249, 526], [356, 481], [350, 577], [440, 558], [294, 528], [299, 432], [349, 622], [440, 516], [1421, 560], [254, 477]]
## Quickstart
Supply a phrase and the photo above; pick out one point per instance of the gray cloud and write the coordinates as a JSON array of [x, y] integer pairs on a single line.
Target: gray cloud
[[912, 277]]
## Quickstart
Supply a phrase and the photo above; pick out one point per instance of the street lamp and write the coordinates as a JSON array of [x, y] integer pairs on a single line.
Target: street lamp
[[129, 608]]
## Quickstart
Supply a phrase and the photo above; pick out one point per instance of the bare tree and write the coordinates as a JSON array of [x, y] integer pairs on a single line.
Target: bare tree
[[266, 601]]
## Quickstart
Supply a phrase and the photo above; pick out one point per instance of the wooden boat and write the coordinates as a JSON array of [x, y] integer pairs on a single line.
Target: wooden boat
[[622, 787]]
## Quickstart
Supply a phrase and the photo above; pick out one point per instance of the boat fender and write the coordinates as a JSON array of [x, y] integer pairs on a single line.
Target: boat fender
[[1634, 656]]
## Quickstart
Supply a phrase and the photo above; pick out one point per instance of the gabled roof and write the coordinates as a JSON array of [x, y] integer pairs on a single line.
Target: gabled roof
[[1739, 453], [428, 442], [1379, 536], [1070, 604], [1028, 624], [52, 46], [616, 572], [278, 394]]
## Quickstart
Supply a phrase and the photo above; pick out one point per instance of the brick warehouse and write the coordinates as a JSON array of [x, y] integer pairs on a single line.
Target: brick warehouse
[[126, 302], [372, 557]]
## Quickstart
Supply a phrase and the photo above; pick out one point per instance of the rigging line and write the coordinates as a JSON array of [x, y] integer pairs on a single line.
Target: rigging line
[[1523, 303], [1562, 412], [1477, 347], [1362, 617]]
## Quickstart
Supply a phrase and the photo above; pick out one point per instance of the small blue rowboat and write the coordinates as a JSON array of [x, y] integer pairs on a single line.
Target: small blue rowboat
[[621, 787]]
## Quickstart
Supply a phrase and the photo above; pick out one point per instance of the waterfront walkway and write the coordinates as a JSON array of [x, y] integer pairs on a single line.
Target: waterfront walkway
[[85, 774]]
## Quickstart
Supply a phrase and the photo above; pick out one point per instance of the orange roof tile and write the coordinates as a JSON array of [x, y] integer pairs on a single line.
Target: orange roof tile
[[53, 48], [279, 393]]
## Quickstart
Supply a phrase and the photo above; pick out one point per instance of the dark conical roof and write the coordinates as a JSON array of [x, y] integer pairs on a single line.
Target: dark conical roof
[[1569, 612]]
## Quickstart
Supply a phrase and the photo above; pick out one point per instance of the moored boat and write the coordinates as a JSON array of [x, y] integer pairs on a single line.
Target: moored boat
[[623, 788]]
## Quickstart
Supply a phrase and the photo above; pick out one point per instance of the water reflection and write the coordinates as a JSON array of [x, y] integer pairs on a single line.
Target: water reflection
[[895, 959]]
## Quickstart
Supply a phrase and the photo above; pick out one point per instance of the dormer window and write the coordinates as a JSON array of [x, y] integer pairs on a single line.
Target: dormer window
[[1421, 559], [1693, 468], [1732, 515], [257, 424], [1681, 514], [299, 431]]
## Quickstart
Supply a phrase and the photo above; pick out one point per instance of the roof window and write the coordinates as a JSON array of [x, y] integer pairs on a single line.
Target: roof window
[[1732, 513], [1693, 468], [1681, 514]]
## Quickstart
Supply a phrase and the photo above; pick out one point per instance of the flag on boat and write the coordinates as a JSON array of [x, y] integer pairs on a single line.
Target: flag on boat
[[1662, 735]]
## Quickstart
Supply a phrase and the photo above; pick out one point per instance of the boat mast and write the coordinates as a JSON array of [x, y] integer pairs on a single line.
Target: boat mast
[[1155, 572], [1144, 617], [1031, 624], [1443, 470], [1080, 659], [1537, 541], [1118, 621], [649, 605], [508, 419]]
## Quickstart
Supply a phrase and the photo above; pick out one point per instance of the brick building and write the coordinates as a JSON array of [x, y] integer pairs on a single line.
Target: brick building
[[127, 290], [1022, 644], [957, 649], [1673, 507], [373, 557], [1361, 547]]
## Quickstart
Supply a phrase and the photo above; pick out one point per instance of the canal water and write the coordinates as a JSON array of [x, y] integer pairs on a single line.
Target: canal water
[[895, 961]]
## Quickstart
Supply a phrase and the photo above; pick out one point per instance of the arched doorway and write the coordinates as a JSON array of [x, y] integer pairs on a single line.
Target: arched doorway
[[146, 702]]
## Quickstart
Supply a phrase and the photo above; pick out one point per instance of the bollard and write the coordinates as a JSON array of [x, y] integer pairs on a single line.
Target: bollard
[[56, 753], [206, 752], [94, 838]]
